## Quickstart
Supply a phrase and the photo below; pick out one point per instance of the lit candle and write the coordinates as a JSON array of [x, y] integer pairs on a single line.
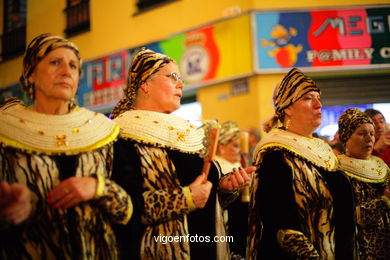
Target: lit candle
[[244, 142]]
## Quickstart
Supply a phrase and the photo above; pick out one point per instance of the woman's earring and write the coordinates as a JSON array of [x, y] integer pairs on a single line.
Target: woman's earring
[[72, 104], [287, 124], [30, 91]]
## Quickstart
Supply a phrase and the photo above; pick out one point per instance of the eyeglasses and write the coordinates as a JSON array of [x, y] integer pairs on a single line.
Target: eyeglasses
[[175, 78]]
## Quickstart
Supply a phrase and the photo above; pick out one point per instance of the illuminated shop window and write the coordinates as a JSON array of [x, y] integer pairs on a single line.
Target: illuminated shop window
[[331, 115], [191, 112]]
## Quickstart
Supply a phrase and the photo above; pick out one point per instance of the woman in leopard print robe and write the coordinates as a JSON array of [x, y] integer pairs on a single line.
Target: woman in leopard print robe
[[157, 159], [63, 155], [301, 207], [369, 178]]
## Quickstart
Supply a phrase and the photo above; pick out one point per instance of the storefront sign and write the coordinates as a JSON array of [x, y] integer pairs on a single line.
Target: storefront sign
[[103, 80], [212, 53], [221, 51], [323, 39]]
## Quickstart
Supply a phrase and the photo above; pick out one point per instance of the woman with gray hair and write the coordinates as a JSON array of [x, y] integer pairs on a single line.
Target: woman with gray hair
[[63, 154], [368, 176], [300, 206]]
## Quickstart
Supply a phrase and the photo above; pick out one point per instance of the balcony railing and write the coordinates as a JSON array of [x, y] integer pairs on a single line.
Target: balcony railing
[[77, 18], [13, 43]]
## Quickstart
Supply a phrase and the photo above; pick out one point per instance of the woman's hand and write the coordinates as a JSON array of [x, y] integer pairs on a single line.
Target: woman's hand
[[200, 190], [15, 202], [237, 179], [382, 142], [72, 191]]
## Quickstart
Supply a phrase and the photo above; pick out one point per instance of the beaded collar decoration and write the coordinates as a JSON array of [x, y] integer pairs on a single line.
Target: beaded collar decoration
[[314, 150], [372, 170], [161, 130], [81, 130]]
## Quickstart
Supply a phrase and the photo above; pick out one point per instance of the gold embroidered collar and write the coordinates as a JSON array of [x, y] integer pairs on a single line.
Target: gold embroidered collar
[[373, 169], [161, 130], [81, 130], [314, 150]]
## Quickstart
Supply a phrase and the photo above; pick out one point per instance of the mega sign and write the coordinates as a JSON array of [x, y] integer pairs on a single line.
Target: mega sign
[[323, 39]]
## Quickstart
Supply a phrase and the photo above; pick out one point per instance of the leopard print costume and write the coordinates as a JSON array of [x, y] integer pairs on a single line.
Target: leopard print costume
[[299, 209], [63, 234], [374, 208], [157, 180], [374, 226], [163, 188], [81, 232], [156, 159]]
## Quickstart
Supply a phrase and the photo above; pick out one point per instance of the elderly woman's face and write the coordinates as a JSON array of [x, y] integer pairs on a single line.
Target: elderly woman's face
[[164, 89], [230, 151], [56, 76], [361, 142]]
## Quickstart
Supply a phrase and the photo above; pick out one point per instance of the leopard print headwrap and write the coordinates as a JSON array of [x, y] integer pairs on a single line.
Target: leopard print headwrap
[[229, 131], [349, 121], [145, 63], [292, 87], [37, 49]]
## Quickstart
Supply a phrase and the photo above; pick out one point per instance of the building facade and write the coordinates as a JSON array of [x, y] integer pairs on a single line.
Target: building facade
[[231, 53]]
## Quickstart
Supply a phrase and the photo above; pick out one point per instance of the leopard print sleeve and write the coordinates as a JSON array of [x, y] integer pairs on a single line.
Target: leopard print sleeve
[[166, 204], [370, 210], [164, 197], [296, 244], [116, 202], [111, 197]]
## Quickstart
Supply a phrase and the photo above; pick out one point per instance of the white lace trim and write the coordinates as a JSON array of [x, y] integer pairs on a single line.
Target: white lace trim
[[164, 130], [314, 150], [373, 169], [78, 131]]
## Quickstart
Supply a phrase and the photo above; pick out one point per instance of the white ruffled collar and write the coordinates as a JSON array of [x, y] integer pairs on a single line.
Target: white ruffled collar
[[162, 130], [314, 150], [80, 130], [373, 169]]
